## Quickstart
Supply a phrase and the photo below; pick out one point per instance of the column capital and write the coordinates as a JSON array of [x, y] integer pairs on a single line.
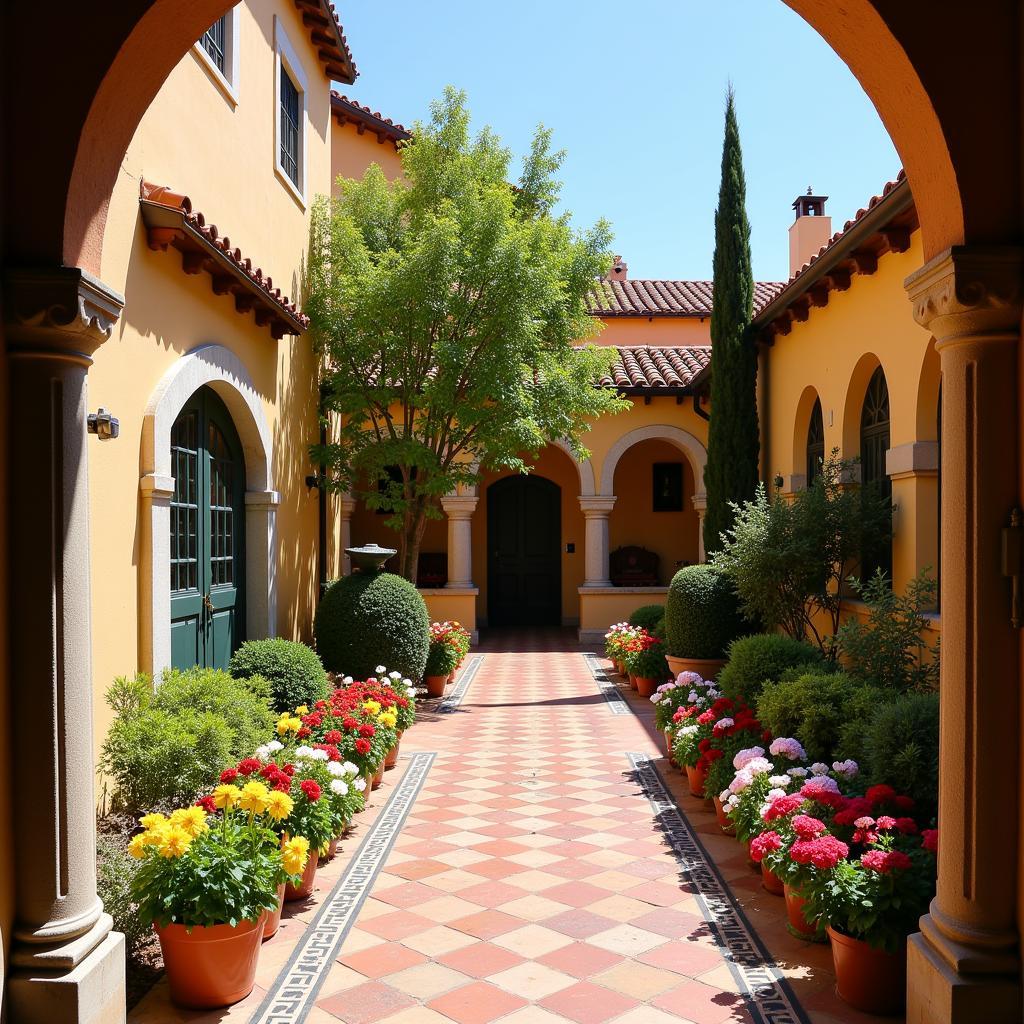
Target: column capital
[[262, 499], [699, 502], [968, 291], [155, 487], [62, 311], [916, 458], [460, 506], [348, 506], [597, 506]]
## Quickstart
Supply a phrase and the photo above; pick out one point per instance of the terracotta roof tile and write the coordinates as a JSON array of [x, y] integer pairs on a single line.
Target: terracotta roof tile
[[365, 119], [665, 298], [648, 367], [328, 39]]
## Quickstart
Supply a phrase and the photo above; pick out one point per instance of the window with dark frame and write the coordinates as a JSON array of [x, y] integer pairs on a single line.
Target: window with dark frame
[[289, 127], [214, 42], [667, 481], [815, 443], [874, 443]]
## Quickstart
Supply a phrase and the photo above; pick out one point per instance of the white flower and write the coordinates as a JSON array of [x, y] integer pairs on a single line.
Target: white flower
[[732, 802], [797, 773], [304, 751], [380, 668], [348, 680], [688, 730], [724, 795], [275, 745], [319, 755], [819, 769], [780, 781], [350, 768], [772, 795], [693, 697], [338, 787], [407, 682], [335, 769], [263, 753], [360, 783], [847, 768], [395, 674]]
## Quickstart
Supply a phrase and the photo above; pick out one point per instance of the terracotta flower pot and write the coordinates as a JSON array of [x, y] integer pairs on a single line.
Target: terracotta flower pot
[[771, 882], [453, 674], [869, 979], [632, 680], [304, 889], [696, 777], [751, 863], [724, 823], [645, 687], [332, 848], [798, 924], [392, 759], [436, 685], [620, 667], [706, 668], [378, 776], [668, 749], [272, 918], [211, 966]]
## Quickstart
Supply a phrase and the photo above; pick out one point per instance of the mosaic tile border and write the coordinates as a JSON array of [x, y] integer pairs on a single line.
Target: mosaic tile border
[[294, 992], [767, 993], [614, 700], [457, 694]]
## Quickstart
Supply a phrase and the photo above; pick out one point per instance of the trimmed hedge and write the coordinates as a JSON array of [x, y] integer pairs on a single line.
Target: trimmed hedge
[[648, 616], [294, 673], [702, 615], [365, 620], [764, 658]]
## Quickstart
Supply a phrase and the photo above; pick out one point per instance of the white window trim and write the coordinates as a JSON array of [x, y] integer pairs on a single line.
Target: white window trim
[[286, 54], [227, 83]]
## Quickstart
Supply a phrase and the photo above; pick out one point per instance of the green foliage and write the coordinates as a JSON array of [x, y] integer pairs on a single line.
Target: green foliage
[[814, 708], [115, 872], [901, 747], [701, 613], [169, 744], [649, 664], [733, 434], [790, 560], [447, 305], [890, 649], [366, 620], [442, 659], [762, 658], [648, 616], [293, 670]]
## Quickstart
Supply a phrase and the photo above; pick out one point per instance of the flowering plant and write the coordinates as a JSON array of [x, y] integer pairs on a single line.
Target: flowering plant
[[733, 727], [645, 656], [693, 721], [615, 640], [199, 869], [449, 645], [673, 695]]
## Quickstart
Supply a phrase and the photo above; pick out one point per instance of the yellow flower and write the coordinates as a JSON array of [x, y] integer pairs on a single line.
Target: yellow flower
[[388, 718], [155, 835], [174, 842], [191, 819], [279, 805], [254, 797], [225, 796], [286, 723], [294, 854], [372, 706], [302, 710], [149, 821], [137, 846]]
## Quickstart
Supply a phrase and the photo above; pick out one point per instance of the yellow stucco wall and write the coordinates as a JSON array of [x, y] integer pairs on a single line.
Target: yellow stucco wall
[[653, 330], [352, 153]]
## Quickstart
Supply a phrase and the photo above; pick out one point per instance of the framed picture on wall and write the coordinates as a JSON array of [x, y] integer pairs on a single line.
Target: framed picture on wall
[[668, 486]]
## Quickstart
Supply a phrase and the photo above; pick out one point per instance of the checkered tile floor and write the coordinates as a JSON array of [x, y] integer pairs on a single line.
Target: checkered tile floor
[[529, 883]]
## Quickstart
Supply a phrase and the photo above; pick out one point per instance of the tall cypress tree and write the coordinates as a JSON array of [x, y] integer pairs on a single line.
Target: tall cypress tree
[[731, 473]]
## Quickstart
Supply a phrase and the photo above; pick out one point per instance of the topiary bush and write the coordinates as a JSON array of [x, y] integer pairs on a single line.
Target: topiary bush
[[648, 616], [702, 614], [901, 747], [293, 671], [365, 620], [816, 708], [168, 744], [763, 658]]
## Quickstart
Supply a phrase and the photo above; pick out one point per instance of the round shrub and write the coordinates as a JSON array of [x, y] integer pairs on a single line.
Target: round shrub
[[647, 616], [293, 671], [368, 620], [901, 747], [702, 615], [763, 658]]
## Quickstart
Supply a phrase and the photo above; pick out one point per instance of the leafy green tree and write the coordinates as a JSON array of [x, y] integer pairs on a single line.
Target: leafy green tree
[[447, 307], [731, 473]]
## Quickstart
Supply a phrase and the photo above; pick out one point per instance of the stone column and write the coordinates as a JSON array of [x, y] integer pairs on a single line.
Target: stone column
[[67, 963], [348, 506], [261, 563], [155, 494], [913, 469], [700, 504], [460, 509], [597, 511], [964, 965]]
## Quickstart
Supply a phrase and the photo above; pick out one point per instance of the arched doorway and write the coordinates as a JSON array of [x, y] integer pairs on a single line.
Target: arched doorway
[[207, 534], [874, 443], [524, 578]]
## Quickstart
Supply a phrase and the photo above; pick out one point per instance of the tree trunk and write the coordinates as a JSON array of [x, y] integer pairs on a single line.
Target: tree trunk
[[412, 538]]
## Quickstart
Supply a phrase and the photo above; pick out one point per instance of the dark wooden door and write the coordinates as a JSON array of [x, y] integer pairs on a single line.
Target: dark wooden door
[[207, 534], [524, 528]]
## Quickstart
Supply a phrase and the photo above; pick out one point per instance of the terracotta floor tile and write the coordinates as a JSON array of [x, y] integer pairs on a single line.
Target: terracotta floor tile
[[386, 958], [702, 1004], [532, 941], [426, 980], [486, 924], [437, 941], [578, 924], [586, 1003], [365, 1004], [481, 960], [580, 959], [532, 980], [637, 980], [477, 1003], [396, 925]]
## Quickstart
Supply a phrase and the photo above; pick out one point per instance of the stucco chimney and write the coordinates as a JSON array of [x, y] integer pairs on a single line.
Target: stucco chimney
[[810, 231], [618, 271]]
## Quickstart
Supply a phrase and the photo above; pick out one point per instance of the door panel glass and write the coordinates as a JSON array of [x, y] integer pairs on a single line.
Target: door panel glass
[[185, 504]]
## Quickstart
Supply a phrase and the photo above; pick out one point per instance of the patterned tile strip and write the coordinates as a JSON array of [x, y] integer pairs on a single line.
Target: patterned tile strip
[[458, 692], [768, 995], [294, 993], [616, 705]]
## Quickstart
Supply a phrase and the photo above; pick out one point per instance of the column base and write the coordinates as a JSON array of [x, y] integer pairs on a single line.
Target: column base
[[937, 994], [92, 992]]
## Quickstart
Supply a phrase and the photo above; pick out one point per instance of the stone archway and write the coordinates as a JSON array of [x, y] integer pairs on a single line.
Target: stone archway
[[689, 445]]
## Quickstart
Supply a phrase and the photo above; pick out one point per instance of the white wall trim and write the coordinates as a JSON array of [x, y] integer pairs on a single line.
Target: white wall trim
[[220, 369], [694, 451], [285, 53], [226, 80], [584, 467]]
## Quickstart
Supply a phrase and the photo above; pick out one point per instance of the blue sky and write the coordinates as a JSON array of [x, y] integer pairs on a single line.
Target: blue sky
[[634, 91]]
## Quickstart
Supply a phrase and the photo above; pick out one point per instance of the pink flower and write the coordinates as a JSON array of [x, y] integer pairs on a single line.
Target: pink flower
[[884, 861], [930, 839], [782, 806], [884, 823], [864, 822], [788, 748], [807, 827], [741, 759], [822, 790], [764, 843], [825, 852]]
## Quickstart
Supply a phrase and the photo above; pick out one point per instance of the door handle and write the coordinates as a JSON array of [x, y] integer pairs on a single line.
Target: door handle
[[208, 605]]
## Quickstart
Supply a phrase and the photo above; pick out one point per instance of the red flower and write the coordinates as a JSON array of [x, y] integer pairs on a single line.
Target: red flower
[[367, 730], [881, 794], [807, 827], [303, 733], [907, 826], [207, 804], [311, 789], [783, 805], [283, 783], [288, 769], [930, 839], [320, 705], [762, 844], [332, 736], [903, 803], [228, 776], [885, 823], [824, 852], [249, 765], [362, 747], [884, 861], [350, 723], [707, 718], [268, 771]]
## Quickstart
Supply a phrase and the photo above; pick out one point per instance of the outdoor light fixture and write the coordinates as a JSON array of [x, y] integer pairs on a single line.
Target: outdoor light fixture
[[103, 425], [778, 481]]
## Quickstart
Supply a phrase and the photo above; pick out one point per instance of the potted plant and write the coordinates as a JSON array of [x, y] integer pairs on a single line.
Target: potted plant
[[645, 661], [615, 640], [462, 641], [207, 885], [667, 700], [702, 618], [442, 658], [692, 724]]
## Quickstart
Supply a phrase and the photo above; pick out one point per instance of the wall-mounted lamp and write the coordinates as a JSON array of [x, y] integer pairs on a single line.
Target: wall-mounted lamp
[[314, 481], [103, 425], [778, 481]]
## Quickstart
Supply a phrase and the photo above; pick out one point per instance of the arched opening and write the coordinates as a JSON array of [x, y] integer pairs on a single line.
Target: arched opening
[[874, 444], [815, 446], [808, 440]]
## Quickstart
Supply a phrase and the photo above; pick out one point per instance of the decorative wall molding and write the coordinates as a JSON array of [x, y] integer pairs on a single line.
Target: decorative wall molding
[[916, 458], [696, 454]]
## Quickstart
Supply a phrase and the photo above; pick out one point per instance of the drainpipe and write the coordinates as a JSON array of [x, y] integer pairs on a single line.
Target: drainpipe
[[697, 407], [764, 413], [321, 504]]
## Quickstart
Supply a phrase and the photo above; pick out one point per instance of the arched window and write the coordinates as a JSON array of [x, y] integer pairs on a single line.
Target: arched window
[[815, 443], [874, 443]]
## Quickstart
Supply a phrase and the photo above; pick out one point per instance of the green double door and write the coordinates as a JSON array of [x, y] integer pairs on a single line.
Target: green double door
[[207, 534]]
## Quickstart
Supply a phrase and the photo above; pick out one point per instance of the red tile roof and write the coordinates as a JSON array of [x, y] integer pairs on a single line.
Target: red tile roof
[[645, 368], [328, 39], [365, 119], [665, 298], [170, 220]]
